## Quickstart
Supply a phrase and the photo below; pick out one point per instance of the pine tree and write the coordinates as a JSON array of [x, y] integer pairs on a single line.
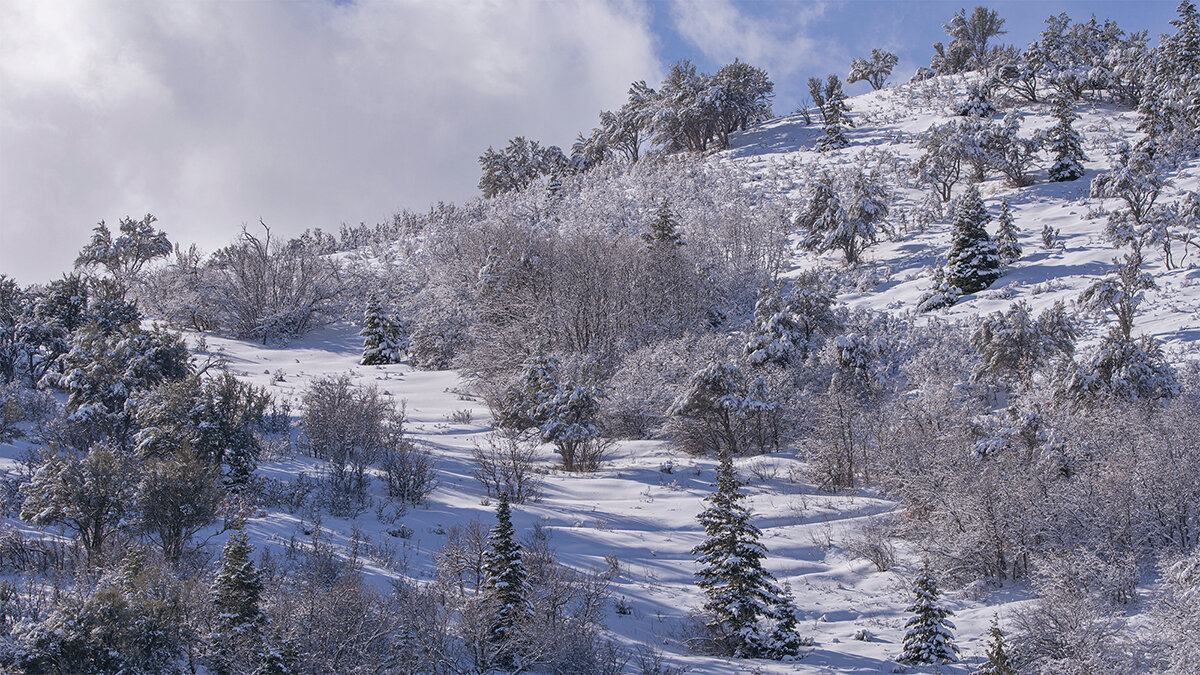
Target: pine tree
[[1007, 246], [941, 293], [507, 584], [740, 592], [998, 661], [381, 339], [835, 113], [664, 232], [776, 333], [977, 103], [929, 638], [1066, 144], [284, 660], [784, 641], [236, 593], [973, 263]]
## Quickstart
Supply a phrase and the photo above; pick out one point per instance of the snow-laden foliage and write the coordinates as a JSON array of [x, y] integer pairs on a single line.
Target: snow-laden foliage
[[973, 263], [874, 71], [850, 221], [929, 637]]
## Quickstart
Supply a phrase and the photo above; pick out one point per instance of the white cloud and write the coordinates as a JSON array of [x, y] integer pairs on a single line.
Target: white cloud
[[781, 41], [303, 113]]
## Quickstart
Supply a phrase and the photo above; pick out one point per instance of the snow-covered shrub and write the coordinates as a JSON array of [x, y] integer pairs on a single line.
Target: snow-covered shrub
[[648, 380], [1070, 631], [978, 103], [1177, 612], [409, 471], [1013, 344], [721, 410], [873, 543], [350, 427], [505, 465], [1120, 368], [268, 290]]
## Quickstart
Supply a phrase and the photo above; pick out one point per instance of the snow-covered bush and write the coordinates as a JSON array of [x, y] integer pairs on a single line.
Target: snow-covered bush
[[505, 465], [350, 427]]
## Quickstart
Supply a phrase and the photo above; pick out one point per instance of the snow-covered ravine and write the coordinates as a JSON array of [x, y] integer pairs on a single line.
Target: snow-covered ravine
[[638, 512]]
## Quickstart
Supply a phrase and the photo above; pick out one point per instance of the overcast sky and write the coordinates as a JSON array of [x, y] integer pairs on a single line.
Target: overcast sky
[[311, 113]]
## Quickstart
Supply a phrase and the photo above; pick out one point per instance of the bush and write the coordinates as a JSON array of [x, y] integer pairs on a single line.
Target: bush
[[409, 471], [350, 427], [505, 466]]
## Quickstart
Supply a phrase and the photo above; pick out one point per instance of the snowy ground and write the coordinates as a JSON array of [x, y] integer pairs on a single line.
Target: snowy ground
[[631, 509]]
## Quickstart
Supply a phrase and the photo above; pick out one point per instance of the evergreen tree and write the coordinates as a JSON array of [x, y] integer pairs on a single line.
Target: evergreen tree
[[835, 113], [978, 103], [784, 641], [236, 593], [91, 495], [563, 413], [507, 585], [284, 660], [381, 337], [941, 294], [776, 333], [740, 592], [929, 638], [973, 263], [664, 232], [1007, 246], [1066, 144], [998, 661]]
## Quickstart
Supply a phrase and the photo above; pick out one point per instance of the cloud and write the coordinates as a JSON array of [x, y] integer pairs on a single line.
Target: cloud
[[781, 39], [305, 113]]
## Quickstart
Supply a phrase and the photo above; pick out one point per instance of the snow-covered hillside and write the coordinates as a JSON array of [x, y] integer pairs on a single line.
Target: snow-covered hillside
[[636, 517], [898, 270]]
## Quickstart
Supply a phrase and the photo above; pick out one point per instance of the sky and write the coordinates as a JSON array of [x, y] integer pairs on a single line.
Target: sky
[[214, 114]]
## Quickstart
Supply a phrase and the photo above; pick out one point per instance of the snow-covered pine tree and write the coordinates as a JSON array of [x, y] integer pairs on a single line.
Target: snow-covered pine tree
[[740, 592], [978, 103], [848, 226], [381, 336], [281, 660], [929, 637], [507, 585], [664, 229], [998, 660], [973, 263], [940, 294], [1065, 143], [236, 593], [776, 334], [1007, 246], [785, 641], [836, 116]]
